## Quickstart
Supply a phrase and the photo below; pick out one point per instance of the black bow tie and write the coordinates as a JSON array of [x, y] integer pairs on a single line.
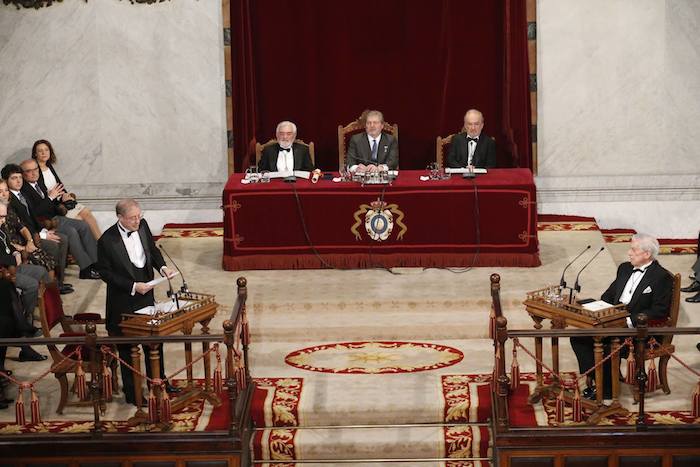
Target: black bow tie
[[129, 232], [476, 140], [638, 270], [285, 149]]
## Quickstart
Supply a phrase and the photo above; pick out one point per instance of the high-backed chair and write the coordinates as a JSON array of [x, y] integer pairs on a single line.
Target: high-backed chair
[[441, 148], [346, 132], [260, 147], [664, 351], [52, 315]]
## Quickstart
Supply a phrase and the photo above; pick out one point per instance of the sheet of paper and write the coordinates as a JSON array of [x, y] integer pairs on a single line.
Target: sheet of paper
[[167, 306], [461, 170], [159, 280], [597, 305]]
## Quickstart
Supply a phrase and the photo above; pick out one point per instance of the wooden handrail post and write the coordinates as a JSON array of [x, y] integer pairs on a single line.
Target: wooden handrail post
[[95, 376], [242, 284], [503, 383], [640, 349], [229, 330]]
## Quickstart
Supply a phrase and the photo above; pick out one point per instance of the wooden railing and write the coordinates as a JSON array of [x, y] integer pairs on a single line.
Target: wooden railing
[[230, 446]]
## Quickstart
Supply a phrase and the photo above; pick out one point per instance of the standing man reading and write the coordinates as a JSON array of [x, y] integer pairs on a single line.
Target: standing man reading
[[126, 258]]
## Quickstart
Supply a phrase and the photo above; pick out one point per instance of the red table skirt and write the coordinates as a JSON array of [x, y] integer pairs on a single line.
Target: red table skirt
[[429, 224]]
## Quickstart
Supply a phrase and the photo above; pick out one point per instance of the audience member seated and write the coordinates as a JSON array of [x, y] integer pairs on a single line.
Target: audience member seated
[[26, 277], [286, 155], [43, 153], [472, 147], [54, 243], [23, 241], [46, 205], [373, 150], [645, 287], [7, 329], [694, 286]]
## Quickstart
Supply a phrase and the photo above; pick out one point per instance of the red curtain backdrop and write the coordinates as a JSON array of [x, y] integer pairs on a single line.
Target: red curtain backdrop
[[423, 63]]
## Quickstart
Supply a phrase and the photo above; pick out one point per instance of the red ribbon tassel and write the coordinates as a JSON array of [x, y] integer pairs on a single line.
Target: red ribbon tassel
[[576, 405], [19, 407], [152, 406], [106, 381], [80, 386], [631, 377], [653, 377], [165, 407], [514, 371], [560, 407], [696, 401], [35, 408]]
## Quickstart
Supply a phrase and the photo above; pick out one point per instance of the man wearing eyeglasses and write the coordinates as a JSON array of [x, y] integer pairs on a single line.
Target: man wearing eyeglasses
[[126, 258]]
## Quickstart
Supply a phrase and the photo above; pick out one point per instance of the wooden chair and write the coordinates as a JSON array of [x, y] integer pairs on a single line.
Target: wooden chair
[[441, 148], [52, 315], [357, 126], [260, 147]]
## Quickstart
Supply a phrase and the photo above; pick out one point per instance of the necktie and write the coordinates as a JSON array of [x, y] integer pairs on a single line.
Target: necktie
[[129, 232], [38, 190], [285, 149], [637, 270], [476, 140], [22, 200], [374, 150]]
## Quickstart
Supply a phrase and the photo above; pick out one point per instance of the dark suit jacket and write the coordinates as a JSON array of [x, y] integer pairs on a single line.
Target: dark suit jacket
[[302, 158], [117, 271], [41, 207], [655, 303], [484, 154], [27, 218], [360, 152]]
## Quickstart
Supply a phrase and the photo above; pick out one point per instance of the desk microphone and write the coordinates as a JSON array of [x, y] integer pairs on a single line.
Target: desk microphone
[[184, 288], [577, 287], [562, 282]]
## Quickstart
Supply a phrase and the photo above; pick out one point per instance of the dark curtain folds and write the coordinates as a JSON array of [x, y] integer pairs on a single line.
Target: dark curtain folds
[[423, 63]]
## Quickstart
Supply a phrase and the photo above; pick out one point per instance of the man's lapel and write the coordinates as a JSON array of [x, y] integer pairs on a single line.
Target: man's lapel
[[644, 282], [121, 252]]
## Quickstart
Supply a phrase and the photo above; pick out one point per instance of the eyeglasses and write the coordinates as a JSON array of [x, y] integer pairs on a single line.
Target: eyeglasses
[[30, 170]]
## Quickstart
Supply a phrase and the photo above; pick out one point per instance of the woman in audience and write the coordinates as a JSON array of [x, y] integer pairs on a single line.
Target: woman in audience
[[21, 239], [42, 152]]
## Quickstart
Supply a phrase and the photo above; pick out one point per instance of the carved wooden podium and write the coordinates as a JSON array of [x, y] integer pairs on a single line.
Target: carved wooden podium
[[548, 303], [194, 308]]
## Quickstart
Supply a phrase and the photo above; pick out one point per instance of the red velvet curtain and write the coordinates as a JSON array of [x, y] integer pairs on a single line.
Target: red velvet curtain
[[423, 63]]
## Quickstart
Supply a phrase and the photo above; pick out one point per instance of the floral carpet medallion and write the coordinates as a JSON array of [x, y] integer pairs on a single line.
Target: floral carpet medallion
[[376, 357]]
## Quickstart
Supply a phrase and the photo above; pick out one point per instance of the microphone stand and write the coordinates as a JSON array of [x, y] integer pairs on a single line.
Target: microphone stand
[[562, 282], [577, 286], [184, 288]]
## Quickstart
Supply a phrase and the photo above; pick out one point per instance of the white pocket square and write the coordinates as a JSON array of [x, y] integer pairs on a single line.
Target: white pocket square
[[647, 290]]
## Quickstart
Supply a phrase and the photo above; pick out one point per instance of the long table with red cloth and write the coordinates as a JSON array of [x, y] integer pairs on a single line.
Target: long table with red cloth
[[302, 225]]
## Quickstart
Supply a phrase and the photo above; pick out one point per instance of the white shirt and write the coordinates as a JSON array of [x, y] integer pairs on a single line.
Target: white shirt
[[134, 247], [285, 160], [49, 180], [631, 286], [471, 145]]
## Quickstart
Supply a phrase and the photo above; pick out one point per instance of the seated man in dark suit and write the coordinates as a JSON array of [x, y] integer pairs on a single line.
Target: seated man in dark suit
[[373, 150], [47, 205], [473, 148], [286, 155], [645, 287]]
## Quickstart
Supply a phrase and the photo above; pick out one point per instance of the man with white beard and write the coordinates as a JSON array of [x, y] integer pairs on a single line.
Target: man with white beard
[[286, 155]]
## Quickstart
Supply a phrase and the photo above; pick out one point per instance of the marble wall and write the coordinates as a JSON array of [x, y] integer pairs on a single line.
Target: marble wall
[[131, 96], [619, 112]]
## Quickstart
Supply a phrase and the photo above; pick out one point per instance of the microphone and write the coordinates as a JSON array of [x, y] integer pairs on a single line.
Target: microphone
[[577, 287], [171, 294], [562, 282], [184, 288]]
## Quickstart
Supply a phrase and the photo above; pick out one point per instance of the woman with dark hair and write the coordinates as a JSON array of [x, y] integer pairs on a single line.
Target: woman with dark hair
[[43, 153]]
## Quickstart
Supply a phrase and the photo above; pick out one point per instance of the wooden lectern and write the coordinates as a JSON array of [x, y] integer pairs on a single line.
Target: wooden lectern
[[194, 308], [548, 303]]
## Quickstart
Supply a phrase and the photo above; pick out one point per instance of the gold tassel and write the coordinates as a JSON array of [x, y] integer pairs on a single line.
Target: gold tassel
[[696, 401], [35, 408], [19, 406], [218, 379], [165, 407], [514, 371], [152, 405], [80, 386], [560, 407], [578, 410], [106, 380], [631, 376], [653, 377]]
